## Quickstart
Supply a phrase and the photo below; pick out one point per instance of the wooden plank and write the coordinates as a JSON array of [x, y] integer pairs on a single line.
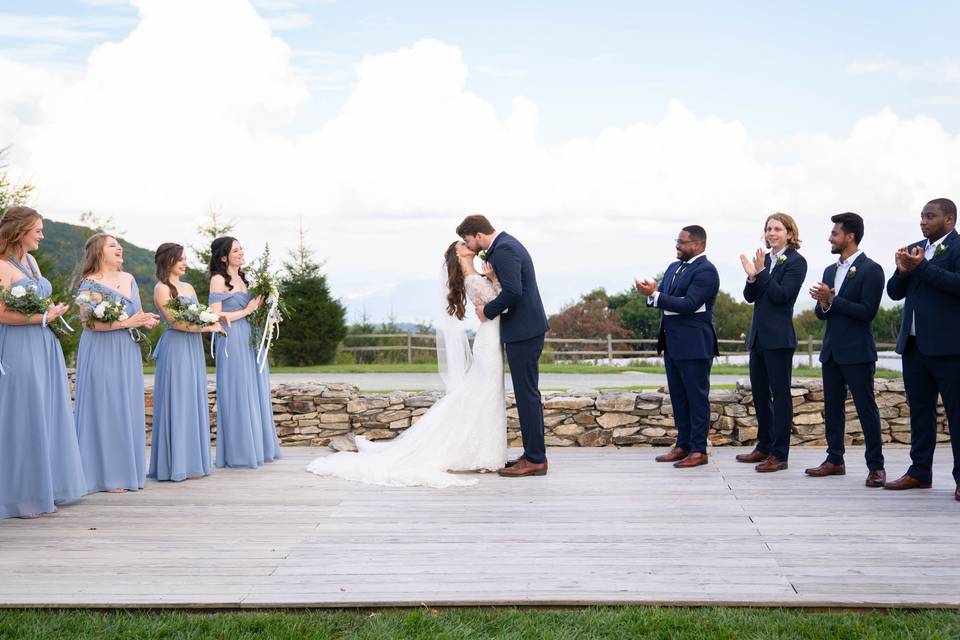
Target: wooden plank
[[606, 526]]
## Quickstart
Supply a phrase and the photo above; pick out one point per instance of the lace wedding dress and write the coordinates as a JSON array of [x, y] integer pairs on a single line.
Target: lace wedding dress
[[464, 431]]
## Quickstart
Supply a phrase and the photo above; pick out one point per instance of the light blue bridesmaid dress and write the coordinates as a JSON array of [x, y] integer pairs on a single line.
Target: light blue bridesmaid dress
[[39, 459], [111, 423], [246, 436], [181, 417]]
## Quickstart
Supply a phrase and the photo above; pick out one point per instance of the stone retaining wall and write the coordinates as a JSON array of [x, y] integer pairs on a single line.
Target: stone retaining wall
[[331, 414]]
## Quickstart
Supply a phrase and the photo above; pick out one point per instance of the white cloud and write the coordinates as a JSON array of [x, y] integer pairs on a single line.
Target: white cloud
[[199, 104], [946, 70]]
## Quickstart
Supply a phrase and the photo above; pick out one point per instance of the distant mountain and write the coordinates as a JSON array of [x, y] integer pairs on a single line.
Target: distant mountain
[[61, 254]]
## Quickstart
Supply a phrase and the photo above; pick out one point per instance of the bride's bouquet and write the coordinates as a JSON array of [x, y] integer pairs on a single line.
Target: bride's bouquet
[[265, 321], [26, 300], [194, 314]]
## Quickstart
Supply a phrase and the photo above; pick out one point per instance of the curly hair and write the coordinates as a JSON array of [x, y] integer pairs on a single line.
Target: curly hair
[[220, 249], [456, 288]]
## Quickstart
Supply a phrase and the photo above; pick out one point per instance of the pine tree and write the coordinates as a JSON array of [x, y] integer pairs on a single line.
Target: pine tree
[[316, 324], [213, 228]]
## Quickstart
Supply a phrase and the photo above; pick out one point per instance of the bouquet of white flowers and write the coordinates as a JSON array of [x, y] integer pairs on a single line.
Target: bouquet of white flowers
[[99, 305], [194, 313], [26, 300], [265, 321]]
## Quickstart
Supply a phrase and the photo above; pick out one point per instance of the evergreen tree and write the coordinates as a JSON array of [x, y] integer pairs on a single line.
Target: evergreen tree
[[316, 323], [196, 274]]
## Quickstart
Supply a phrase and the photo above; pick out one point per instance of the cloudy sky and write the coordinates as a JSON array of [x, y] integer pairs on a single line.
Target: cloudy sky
[[592, 130]]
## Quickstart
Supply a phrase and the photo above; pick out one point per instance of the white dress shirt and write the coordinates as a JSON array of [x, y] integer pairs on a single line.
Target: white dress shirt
[[843, 267], [774, 257], [652, 299], [929, 252]]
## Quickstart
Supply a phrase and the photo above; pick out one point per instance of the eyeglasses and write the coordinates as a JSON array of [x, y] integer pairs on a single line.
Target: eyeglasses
[[680, 242]]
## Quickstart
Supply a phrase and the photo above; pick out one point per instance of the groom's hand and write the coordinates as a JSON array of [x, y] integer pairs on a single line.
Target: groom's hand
[[480, 314]]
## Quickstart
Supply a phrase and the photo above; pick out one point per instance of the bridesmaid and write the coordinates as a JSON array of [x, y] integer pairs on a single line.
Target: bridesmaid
[[39, 458], [773, 282], [181, 416], [111, 427], [246, 436]]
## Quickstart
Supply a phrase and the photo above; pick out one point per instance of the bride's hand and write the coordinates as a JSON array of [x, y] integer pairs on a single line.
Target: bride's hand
[[490, 273]]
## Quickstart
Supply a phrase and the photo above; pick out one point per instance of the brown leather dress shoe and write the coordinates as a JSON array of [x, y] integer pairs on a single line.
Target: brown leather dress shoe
[[772, 463], [674, 455], [876, 478], [510, 463], [827, 469], [905, 482], [695, 459], [754, 456], [524, 468]]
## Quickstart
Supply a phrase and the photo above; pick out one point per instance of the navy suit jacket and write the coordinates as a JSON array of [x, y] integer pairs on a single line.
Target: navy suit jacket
[[932, 292], [688, 335], [773, 297], [848, 336], [519, 296]]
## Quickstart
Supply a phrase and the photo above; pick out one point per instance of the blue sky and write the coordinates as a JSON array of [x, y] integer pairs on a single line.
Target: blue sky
[[601, 125], [779, 66]]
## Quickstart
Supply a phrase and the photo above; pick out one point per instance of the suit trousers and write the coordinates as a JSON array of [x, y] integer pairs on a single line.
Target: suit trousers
[[689, 384], [926, 377], [524, 360], [837, 378], [771, 373]]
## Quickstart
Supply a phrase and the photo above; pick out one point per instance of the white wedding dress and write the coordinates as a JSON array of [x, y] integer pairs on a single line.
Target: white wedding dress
[[466, 430]]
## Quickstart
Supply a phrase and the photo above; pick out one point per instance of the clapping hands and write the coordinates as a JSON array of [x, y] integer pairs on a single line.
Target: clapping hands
[[823, 294], [646, 286], [908, 260], [754, 266]]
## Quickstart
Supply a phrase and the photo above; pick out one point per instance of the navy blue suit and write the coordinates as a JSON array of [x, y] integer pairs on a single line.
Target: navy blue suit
[[772, 341], [849, 355], [523, 324], [931, 359], [688, 341]]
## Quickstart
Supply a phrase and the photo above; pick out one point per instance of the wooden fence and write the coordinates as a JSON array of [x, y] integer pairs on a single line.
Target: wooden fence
[[607, 348]]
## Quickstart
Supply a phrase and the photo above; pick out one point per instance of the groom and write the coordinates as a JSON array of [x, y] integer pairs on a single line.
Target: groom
[[523, 325]]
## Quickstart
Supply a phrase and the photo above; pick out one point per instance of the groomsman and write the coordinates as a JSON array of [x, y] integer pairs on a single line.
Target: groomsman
[[688, 340], [928, 278], [848, 299]]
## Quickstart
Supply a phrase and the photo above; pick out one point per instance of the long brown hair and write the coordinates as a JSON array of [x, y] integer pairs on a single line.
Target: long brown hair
[[220, 249], [456, 289], [92, 255], [14, 224], [789, 224], [167, 256]]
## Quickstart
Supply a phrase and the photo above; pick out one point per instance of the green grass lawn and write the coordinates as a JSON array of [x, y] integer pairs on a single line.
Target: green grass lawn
[[481, 624], [431, 367]]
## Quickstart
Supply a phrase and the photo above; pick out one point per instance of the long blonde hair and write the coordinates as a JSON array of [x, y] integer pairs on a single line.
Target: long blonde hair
[[789, 224], [93, 254], [15, 222]]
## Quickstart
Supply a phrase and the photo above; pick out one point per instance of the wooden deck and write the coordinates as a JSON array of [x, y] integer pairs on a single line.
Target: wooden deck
[[606, 526]]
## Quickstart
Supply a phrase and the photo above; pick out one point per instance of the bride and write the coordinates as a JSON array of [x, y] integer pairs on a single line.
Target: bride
[[466, 430]]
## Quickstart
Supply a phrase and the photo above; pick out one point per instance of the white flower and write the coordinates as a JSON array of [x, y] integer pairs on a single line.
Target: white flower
[[123, 316], [208, 317], [193, 308], [100, 310], [18, 292]]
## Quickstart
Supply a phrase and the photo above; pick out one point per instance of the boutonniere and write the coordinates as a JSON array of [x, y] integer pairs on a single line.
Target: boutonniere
[[482, 255], [852, 273], [781, 260], [941, 248]]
